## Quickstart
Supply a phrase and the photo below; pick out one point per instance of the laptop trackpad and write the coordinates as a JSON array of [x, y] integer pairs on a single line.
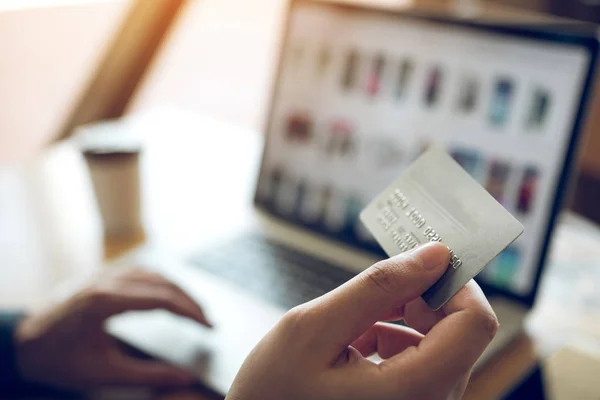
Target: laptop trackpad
[[213, 355]]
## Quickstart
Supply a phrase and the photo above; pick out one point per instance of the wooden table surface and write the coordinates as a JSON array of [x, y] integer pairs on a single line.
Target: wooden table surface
[[177, 214]]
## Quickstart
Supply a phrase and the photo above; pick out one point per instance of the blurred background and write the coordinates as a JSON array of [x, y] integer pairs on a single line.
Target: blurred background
[[66, 64], [201, 66]]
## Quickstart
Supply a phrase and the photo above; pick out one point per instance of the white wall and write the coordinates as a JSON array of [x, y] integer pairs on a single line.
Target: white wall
[[219, 59], [46, 55]]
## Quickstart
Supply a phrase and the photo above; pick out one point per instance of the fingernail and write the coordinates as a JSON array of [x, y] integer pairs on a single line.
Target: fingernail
[[433, 255]]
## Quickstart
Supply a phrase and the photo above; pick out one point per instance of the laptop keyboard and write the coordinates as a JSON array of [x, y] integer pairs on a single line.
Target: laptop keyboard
[[270, 271]]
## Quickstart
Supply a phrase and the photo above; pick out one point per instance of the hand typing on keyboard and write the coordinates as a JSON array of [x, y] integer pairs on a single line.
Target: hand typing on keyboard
[[319, 349]]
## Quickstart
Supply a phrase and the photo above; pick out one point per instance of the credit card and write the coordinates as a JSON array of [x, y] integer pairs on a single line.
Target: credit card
[[436, 200]]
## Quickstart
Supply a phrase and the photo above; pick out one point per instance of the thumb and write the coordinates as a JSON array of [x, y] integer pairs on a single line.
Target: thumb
[[347, 312]]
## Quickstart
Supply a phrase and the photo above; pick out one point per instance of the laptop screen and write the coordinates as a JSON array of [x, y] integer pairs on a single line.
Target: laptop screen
[[361, 94]]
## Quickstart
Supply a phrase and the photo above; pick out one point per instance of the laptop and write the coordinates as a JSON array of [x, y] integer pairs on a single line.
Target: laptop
[[359, 94]]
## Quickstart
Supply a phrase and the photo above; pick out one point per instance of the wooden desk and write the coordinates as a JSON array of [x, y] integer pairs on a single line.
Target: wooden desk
[[180, 198]]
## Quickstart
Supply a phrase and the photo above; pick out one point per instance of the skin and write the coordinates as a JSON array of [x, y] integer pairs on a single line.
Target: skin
[[66, 346], [319, 349]]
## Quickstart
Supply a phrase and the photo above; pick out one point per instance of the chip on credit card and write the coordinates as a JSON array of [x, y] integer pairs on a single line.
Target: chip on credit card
[[436, 200]]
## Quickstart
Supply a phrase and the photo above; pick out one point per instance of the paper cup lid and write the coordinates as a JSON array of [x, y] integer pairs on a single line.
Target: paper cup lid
[[107, 137]]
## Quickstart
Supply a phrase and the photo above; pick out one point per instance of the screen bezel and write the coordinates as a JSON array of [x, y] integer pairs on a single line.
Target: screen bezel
[[540, 32]]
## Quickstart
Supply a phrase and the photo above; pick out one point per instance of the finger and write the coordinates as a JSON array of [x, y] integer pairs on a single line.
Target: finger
[[420, 317], [131, 371], [150, 278], [107, 301], [461, 386], [454, 344], [386, 340], [344, 314], [396, 314], [142, 276]]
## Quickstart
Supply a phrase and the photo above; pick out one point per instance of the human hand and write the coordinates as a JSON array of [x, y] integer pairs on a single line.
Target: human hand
[[318, 349], [67, 346]]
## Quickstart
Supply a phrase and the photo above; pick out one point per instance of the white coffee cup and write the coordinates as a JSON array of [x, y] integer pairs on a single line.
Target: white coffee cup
[[113, 158]]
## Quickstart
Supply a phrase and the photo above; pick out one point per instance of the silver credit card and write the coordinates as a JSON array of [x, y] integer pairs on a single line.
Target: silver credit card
[[436, 200]]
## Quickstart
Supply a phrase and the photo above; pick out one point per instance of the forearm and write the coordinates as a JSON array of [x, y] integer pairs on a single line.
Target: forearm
[[9, 376]]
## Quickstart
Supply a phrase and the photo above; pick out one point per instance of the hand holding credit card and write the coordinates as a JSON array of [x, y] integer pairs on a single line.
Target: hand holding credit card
[[436, 200]]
